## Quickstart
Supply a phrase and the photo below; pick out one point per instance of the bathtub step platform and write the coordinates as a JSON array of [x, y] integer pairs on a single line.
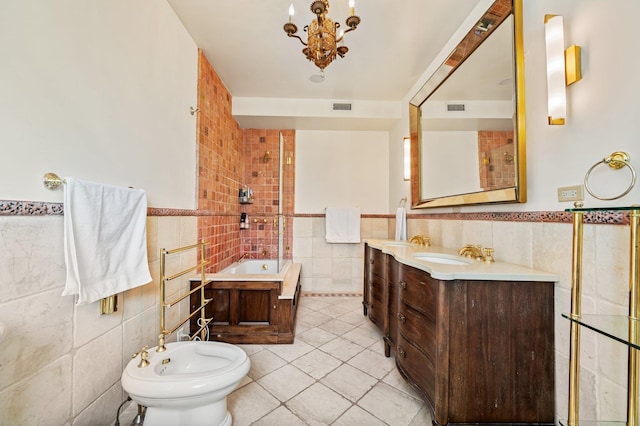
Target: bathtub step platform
[[252, 312]]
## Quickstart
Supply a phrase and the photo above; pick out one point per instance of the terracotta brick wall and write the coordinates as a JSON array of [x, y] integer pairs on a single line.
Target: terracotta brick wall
[[262, 165], [497, 165], [228, 159]]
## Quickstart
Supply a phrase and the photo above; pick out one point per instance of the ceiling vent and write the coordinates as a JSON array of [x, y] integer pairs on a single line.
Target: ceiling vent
[[340, 106], [455, 107]]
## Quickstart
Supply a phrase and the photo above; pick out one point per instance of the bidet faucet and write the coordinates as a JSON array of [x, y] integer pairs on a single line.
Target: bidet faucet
[[144, 357], [161, 347]]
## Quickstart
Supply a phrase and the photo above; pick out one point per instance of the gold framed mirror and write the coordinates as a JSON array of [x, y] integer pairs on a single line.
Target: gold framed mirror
[[467, 122]]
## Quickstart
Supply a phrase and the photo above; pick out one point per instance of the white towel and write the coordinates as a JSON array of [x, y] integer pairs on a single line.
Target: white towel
[[342, 224], [401, 223], [105, 239]]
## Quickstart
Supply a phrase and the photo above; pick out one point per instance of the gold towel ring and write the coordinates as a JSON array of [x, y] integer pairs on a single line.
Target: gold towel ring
[[616, 161]]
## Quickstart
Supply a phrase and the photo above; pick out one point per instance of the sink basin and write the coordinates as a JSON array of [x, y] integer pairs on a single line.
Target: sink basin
[[397, 244], [441, 258]]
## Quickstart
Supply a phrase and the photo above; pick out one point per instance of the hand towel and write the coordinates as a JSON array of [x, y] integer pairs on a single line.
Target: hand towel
[[105, 239], [342, 224], [401, 223]]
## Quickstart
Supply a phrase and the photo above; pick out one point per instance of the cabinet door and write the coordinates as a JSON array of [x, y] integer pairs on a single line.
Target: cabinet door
[[416, 366], [500, 352], [391, 329], [378, 299], [366, 288]]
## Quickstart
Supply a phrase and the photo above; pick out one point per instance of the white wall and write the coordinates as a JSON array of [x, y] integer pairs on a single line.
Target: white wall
[[342, 169], [447, 152], [603, 115], [100, 91], [602, 108]]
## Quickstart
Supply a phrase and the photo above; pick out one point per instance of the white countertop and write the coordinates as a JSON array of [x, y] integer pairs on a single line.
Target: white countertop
[[404, 252]]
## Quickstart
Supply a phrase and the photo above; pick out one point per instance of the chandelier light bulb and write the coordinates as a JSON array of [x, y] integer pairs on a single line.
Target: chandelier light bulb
[[291, 12], [352, 5]]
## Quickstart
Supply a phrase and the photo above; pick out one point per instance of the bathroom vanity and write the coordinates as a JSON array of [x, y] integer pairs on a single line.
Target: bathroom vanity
[[476, 340]]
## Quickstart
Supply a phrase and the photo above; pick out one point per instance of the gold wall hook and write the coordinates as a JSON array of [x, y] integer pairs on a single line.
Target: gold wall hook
[[52, 181]]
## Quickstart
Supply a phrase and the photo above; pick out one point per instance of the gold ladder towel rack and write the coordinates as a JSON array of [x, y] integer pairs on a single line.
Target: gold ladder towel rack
[[164, 304]]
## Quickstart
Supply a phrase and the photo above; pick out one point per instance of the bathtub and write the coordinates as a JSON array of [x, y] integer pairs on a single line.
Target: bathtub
[[255, 267], [252, 302]]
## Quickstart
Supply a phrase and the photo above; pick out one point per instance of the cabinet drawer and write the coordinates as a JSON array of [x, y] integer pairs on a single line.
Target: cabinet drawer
[[377, 289], [417, 366], [376, 314], [418, 290], [419, 329], [378, 264]]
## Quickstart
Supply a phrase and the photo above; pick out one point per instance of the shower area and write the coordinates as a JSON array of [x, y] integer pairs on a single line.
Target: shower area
[[266, 228], [253, 284]]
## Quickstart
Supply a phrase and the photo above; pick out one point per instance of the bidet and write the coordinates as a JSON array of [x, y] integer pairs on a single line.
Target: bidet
[[188, 383]]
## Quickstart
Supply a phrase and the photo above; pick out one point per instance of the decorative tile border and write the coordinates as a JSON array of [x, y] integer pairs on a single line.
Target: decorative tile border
[[602, 217], [30, 208], [344, 294]]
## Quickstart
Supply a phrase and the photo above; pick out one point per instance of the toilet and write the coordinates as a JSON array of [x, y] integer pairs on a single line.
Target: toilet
[[187, 384]]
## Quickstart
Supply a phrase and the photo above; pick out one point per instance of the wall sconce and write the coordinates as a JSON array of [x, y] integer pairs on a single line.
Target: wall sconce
[[407, 159], [563, 68]]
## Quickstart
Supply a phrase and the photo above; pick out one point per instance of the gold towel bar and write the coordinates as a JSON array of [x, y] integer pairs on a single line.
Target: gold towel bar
[[109, 304], [164, 304]]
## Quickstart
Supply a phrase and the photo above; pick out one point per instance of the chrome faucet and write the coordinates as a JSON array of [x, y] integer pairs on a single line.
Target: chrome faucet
[[421, 240], [477, 253]]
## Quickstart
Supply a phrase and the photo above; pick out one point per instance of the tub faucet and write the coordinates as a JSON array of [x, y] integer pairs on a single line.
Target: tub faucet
[[243, 257]]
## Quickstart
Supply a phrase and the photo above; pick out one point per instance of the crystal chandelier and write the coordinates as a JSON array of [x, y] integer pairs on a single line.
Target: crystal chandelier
[[322, 44]]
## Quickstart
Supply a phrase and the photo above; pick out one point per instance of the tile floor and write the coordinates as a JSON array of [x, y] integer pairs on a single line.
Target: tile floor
[[335, 373]]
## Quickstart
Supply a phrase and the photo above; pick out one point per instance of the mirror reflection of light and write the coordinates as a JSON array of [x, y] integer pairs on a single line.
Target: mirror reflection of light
[[407, 159]]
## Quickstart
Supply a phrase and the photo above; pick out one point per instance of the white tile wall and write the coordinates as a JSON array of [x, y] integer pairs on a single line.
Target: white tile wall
[[48, 371], [332, 268], [61, 363]]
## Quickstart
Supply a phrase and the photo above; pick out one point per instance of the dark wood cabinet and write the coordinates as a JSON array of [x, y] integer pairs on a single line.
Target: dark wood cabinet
[[391, 329], [250, 312], [479, 352], [376, 286]]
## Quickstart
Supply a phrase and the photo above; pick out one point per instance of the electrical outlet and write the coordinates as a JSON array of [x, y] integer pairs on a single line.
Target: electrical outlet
[[571, 193]]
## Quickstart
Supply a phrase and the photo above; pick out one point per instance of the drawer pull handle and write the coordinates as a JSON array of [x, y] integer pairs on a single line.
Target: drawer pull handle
[[401, 352], [402, 318], [403, 284]]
